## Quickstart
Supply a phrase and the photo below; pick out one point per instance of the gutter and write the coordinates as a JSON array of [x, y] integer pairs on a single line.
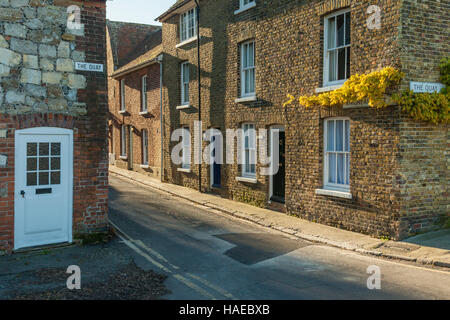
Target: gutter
[[137, 67], [159, 60], [199, 78]]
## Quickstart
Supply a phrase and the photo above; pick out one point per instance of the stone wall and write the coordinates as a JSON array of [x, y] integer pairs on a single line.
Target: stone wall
[[39, 87]]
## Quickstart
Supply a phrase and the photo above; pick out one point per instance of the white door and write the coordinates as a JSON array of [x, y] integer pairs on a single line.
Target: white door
[[43, 187]]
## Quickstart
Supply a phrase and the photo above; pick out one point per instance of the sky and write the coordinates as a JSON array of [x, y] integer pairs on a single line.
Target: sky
[[137, 11]]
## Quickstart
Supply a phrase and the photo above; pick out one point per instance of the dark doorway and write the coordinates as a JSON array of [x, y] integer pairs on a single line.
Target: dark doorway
[[279, 180], [215, 174]]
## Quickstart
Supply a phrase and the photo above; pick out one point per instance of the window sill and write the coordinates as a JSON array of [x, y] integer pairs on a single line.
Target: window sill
[[246, 99], [184, 106], [245, 8], [186, 42], [122, 111], [123, 157], [145, 166], [184, 170], [329, 88], [143, 113], [334, 193], [248, 180]]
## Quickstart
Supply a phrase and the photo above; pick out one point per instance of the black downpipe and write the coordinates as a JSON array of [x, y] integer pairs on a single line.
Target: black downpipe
[[199, 94]]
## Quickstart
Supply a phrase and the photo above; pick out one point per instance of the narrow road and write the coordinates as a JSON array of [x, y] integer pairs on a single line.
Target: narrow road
[[207, 255]]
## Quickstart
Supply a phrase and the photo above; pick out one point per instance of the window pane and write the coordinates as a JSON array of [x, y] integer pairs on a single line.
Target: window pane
[[44, 164], [330, 135], [56, 163], [347, 136], [55, 178], [43, 178], [44, 149], [341, 177], [31, 179], [56, 149], [347, 156], [31, 164], [332, 66], [347, 28], [245, 56], [341, 64], [247, 81], [251, 52], [348, 63], [340, 30], [339, 135], [31, 149], [332, 168], [251, 80], [331, 33], [186, 92]]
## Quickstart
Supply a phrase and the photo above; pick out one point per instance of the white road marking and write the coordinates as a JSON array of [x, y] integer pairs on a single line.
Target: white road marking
[[133, 245]]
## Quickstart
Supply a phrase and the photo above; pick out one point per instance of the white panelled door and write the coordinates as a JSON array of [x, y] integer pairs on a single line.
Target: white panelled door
[[43, 186]]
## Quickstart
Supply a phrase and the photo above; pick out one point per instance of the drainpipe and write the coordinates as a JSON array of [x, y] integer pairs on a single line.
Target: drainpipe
[[161, 112], [199, 92]]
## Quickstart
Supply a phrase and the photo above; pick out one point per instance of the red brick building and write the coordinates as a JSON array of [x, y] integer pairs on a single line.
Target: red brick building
[[135, 97], [53, 132]]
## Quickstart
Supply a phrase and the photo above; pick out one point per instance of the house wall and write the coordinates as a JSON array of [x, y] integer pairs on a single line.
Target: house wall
[[150, 121], [39, 87], [288, 36], [213, 53], [423, 165]]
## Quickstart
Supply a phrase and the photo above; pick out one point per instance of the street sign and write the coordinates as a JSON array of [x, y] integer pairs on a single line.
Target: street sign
[[429, 87], [85, 66]]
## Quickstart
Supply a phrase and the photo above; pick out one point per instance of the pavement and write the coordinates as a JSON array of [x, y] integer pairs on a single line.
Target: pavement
[[432, 249]]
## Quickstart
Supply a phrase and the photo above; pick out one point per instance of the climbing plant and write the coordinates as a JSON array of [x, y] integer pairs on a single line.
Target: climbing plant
[[373, 87]]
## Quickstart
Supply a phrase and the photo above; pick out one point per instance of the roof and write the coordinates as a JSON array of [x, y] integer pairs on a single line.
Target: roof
[[130, 40], [177, 5], [140, 62]]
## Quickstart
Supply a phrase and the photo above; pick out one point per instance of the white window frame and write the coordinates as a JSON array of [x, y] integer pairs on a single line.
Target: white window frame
[[186, 157], [245, 6], [185, 26], [145, 147], [122, 96], [251, 149], [123, 141], [327, 52], [249, 68], [144, 102], [184, 84], [327, 185]]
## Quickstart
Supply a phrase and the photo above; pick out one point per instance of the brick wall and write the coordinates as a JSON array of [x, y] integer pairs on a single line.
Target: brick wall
[[423, 164], [288, 38], [55, 95], [149, 122]]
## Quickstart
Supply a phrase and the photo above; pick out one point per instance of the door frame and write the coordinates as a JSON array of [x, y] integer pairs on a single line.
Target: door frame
[[280, 128], [44, 131]]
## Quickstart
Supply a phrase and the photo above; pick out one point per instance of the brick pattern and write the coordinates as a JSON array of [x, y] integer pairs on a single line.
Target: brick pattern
[[149, 122], [90, 130], [388, 197]]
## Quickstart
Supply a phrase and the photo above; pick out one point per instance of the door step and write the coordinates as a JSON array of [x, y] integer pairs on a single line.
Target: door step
[[277, 206]]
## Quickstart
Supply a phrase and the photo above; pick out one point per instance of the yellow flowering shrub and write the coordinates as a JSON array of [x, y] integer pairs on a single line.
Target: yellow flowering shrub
[[359, 87], [372, 87]]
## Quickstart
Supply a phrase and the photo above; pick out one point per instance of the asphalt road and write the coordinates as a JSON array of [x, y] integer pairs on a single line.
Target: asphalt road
[[207, 255]]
